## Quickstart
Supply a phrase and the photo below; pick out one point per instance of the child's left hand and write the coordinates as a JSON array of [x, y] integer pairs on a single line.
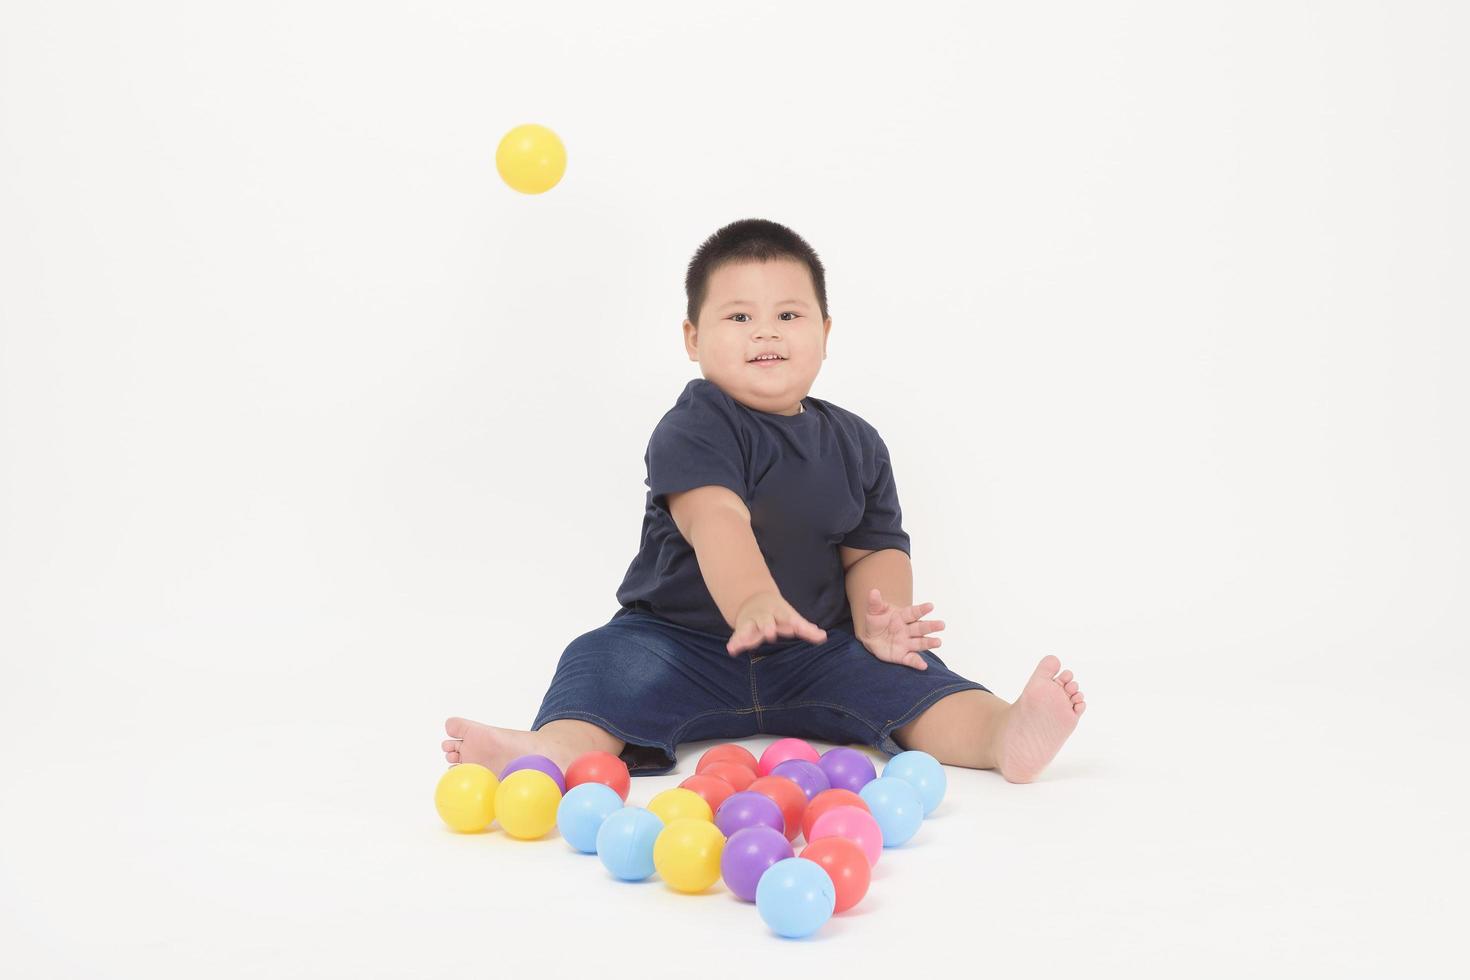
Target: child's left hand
[[897, 634]]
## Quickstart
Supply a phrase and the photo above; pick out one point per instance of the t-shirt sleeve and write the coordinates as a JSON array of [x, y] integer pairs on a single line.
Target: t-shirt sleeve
[[694, 445], [881, 525]]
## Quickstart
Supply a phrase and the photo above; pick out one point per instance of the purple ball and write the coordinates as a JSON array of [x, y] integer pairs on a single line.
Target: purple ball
[[848, 769], [749, 809], [747, 855], [808, 775], [539, 763]]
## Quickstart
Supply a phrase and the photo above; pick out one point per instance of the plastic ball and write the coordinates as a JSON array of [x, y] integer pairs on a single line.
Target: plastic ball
[[728, 752], [678, 803], [847, 866], [599, 767], [540, 763], [749, 809], [687, 854], [795, 897], [749, 853], [856, 825], [713, 789], [823, 802], [625, 842], [788, 797], [922, 771], [531, 159], [731, 772], [895, 804], [808, 775], [781, 750], [847, 768], [526, 802], [581, 812], [465, 797]]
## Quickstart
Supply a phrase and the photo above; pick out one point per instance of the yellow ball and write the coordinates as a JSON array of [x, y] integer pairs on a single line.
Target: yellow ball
[[465, 797], [678, 803], [687, 854], [526, 802], [531, 159]]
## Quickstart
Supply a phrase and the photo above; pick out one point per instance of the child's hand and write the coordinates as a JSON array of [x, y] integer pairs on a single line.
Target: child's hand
[[763, 617], [895, 634]]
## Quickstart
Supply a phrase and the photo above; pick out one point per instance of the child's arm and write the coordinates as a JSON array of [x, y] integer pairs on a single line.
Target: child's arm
[[716, 523], [887, 570]]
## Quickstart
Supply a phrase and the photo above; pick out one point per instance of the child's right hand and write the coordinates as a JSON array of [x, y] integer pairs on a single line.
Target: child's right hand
[[763, 617]]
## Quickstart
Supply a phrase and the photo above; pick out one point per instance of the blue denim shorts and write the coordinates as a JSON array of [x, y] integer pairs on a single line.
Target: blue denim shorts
[[654, 683]]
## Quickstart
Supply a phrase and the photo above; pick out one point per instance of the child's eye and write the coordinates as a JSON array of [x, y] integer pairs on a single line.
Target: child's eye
[[733, 315]]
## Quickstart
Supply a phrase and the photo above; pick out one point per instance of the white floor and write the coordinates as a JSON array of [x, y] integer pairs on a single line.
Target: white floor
[[1199, 823]]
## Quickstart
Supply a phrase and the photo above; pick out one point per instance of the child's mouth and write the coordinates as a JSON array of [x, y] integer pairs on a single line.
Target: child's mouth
[[767, 362]]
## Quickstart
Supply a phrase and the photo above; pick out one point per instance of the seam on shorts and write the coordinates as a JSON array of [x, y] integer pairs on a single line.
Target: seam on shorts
[[827, 704], [886, 732], [609, 726], [705, 714], [755, 699]]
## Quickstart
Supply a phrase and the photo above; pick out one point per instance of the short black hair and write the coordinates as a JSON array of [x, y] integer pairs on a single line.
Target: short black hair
[[750, 240]]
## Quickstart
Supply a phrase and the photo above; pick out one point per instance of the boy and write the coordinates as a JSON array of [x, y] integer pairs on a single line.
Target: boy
[[771, 514]]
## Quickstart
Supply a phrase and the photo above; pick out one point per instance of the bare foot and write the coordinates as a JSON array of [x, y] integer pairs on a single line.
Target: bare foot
[[1038, 722], [494, 748]]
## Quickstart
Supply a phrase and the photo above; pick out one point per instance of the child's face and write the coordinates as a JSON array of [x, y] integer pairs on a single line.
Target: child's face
[[753, 307]]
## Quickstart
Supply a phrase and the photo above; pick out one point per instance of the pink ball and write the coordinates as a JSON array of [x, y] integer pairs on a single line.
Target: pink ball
[[854, 823], [787, 748]]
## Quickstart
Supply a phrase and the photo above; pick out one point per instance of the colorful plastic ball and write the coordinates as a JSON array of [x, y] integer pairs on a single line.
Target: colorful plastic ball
[[531, 159], [625, 842], [788, 796], [526, 803], [687, 854], [465, 797], [847, 866], [823, 802], [540, 763], [795, 897], [678, 803], [856, 825], [748, 854], [808, 775], [847, 768], [895, 804], [581, 812], [713, 789], [749, 809], [728, 752], [922, 771], [599, 767], [733, 773], [781, 750]]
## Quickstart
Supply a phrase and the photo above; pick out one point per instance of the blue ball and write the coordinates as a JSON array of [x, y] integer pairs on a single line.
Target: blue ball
[[581, 812], [921, 771], [895, 804], [795, 896], [625, 842]]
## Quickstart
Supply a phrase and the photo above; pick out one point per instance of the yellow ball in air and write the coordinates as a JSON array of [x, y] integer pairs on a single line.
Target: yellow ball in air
[[531, 159]]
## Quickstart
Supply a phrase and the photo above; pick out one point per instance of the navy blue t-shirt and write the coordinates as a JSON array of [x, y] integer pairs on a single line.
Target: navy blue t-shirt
[[811, 481]]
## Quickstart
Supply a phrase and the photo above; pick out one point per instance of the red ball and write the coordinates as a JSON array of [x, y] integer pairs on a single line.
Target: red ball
[[845, 864], [729, 752], [788, 796], [599, 767], [826, 800], [731, 772], [712, 789]]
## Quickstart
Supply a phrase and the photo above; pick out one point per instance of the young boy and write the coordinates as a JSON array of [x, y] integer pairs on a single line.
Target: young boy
[[771, 528]]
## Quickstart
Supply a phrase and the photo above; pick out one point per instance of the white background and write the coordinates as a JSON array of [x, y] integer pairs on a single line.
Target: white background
[[314, 433]]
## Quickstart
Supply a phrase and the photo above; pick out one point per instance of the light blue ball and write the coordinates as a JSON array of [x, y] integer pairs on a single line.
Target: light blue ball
[[581, 812], [896, 805], [625, 842], [795, 896], [921, 771]]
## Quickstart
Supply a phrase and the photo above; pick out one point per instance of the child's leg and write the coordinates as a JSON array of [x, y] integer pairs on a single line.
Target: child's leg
[[560, 741]]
